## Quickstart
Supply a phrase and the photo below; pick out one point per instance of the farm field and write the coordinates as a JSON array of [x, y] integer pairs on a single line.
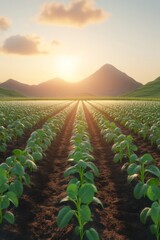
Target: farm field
[[53, 149]]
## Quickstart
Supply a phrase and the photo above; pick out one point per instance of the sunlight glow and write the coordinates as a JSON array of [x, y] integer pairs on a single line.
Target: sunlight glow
[[66, 66]]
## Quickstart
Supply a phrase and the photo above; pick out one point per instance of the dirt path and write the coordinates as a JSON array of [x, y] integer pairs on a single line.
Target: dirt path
[[36, 215], [120, 218]]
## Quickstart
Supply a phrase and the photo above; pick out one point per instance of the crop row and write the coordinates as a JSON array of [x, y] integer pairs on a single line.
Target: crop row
[[142, 170], [16, 118], [14, 171], [81, 190], [143, 118]]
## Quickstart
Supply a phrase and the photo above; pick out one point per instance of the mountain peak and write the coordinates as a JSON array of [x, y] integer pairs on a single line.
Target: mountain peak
[[10, 80], [106, 81]]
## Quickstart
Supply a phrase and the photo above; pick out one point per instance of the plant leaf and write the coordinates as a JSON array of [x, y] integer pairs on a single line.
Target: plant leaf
[[140, 190], [144, 214], [85, 214], [72, 191], [92, 166], [86, 193], [92, 234], [64, 216], [9, 217], [12, 197]]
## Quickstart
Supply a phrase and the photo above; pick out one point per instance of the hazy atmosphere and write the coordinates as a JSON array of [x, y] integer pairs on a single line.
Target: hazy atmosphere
[[40, 40]]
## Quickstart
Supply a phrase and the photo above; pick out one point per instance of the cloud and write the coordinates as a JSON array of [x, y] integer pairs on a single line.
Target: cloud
[[76, 13], [4, 23], [22, 45]]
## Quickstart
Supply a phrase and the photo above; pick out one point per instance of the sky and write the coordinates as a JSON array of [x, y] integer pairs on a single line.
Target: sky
[[71, 39]]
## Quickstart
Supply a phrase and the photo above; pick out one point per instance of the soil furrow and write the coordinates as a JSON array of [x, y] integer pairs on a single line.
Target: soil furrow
[[119, 220], [36, 215]]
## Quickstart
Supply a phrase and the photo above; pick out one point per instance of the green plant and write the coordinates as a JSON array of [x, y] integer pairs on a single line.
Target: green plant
[[153, 193], [123, 147], [81, 196], [139, 169]]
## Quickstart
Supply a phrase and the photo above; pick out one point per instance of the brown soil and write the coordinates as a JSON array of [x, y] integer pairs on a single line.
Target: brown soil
[[119, 220], [36, 215]]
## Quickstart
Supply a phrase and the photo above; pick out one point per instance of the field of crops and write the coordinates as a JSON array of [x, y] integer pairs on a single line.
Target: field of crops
[[74, 170]]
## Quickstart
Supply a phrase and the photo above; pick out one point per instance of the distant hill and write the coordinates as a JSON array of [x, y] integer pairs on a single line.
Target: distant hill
[[9, 93], [107, 81], [151, 89]]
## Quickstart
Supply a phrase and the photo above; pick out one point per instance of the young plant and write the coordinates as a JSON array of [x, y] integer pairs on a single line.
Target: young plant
[[81, 196], [123, 147], [139, 169], [153, 193]]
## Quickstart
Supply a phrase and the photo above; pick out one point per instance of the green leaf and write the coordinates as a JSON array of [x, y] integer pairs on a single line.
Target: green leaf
[[133, 169], [17, 188], [4, 202], [133, 158], [4, 187], [31, 165], [74, 180], [93, 167], [140, 190], [72, 191], [17, 152], [98, 201], [86, 193], [3, 177], [85, 214], [10, 160], [82, 164], [146, 158], [37, 156], [64, 216], [26, 179], [154, 170], [18, 169], [69, 171], [153, 229], [9, 217], [132, 177], [12, 197], [144, 214], [92, 234], [117, 158], [4, 166], [89, 177], [77, 156], [153, 192], [155, 213]]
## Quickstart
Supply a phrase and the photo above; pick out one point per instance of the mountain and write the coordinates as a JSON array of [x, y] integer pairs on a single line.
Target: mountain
[[151, 89], [107, 81], [9, 93]]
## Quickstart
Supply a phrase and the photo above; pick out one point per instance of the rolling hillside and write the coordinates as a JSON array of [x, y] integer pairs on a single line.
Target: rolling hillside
[[107, 81], [151, 89], [9, 93]]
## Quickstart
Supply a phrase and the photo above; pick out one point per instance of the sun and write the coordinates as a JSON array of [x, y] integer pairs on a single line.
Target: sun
[[66, 66]]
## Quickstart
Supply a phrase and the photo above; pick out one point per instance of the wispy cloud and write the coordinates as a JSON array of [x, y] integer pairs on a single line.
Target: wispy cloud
[[4, 23], [22, 45], [77, 13]]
